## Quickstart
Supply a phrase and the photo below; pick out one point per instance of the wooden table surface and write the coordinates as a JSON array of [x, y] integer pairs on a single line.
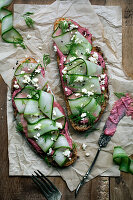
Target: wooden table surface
[[100, 188]]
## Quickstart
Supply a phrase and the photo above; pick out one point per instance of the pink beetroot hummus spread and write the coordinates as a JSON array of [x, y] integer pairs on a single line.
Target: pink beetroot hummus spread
[[122, 107]]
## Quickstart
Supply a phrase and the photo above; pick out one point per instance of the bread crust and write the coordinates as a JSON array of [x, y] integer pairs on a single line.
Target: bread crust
[[82, 128], [43, 154]]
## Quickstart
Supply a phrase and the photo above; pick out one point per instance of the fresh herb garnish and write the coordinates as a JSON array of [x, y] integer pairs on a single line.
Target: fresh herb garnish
[[119, 95], [99, 98], [46, 60], [74, 145], [19, 42], [64, 25], [28, 20], [19, 127]]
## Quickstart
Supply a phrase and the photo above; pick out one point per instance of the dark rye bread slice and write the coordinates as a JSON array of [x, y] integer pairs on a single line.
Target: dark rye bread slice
[[77, 127], [41, 153]]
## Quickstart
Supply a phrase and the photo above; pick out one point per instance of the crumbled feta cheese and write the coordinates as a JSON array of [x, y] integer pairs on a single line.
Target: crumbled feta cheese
[[54, 113], [84, 146], [22, 72], [55, 48], [99, 78], [38, 60], [64, 71], [93, 60], [92, 86], [59, 125], [87, 154], [90, 76], [49, 152], [88, 51], [16, 86], [64, 59], [28, 37], [26, 79], [52, 138], [89, 93], [73, 37], [35, 137], [65, 89], [38, 135], [48, 89], [70, 158], [60, 64], [83, 115], [40, 48], [72, 26], [29, 96], [38, 71], [67, 153], [15, 82], [35, 80], [95, 55], [72, 58], [77, 94], [29, 69], [38, 127], [79, 79], [103, 88], [85, 33], [84, 90], [102, 76]]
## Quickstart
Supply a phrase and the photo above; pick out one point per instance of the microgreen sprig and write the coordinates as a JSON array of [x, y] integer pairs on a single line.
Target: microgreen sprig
[[119, 95], [28, 20], [46, 60]]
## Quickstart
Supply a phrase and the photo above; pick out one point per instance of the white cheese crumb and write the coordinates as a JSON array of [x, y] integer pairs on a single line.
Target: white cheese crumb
[[29, 69], [38, 60], [79, 79], [55, 48], [35, 137], [103, 88], [83, 115], [72, 26], [95, 55], [16, 86], [49, 152], [64, 71], [40, 48], [87, 154], [64, 59], [93, 60], [38, 135], [59, 125], [28, 37], [26, 79], [92, 86], [84, 146], [102, 82], [72, 58], [84, 90], [77, 94], [67, 153], [90, 77], [88, 51], [89, 93], [22, 72], [102, 76], [9, 98], [65, 89], [99, 78], [48, 89], [35, 80], [52, 138], [29, 96], [38, 71], [38, 127], [60, 64]]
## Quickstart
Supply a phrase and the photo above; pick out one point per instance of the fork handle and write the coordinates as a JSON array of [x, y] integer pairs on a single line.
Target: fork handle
[[87, 173]]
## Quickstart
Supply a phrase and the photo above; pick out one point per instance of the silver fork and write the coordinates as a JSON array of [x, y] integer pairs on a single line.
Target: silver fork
[[46, 186]]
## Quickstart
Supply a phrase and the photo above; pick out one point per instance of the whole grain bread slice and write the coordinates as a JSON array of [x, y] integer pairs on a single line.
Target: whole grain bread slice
[[77, 127], [42, 154]]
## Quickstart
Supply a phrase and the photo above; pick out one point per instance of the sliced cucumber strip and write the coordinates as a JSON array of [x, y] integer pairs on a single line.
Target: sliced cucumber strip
[[45, 126], [77, 104], [61, 142], [25, 92], [26, 68], [59, 158], [46, 141], [93, 108], [40, 83], [74, 63], [46, 103], [63, 41], [80, 82], [93, 69], [57, 114], [34, 119], [20, 104], [31, 108], [79, 69], [23, 79]]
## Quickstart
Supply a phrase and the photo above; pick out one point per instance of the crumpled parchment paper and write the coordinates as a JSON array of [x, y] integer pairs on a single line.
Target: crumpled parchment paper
[[107, 33]]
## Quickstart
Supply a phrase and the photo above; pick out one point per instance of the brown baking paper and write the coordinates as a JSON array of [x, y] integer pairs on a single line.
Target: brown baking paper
[[107, 33]]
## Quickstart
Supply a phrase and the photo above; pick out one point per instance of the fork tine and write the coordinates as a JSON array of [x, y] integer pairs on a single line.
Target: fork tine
[[46, 185], [53, 186], [39, 184]]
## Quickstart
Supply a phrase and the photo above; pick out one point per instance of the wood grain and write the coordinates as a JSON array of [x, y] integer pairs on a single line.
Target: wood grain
[[100, 188]]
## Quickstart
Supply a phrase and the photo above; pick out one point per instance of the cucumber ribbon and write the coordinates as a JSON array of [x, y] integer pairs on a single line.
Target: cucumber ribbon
[[8, 32], [122, 159]]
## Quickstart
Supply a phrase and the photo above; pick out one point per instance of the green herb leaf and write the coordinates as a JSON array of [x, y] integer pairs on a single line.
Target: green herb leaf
[[28, 14], [46, 60], [29, 22], [99, 98], [119, 95]]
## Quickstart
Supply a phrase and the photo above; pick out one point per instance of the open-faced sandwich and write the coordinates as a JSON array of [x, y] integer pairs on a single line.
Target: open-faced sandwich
[[82, 72], [39, 117]]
